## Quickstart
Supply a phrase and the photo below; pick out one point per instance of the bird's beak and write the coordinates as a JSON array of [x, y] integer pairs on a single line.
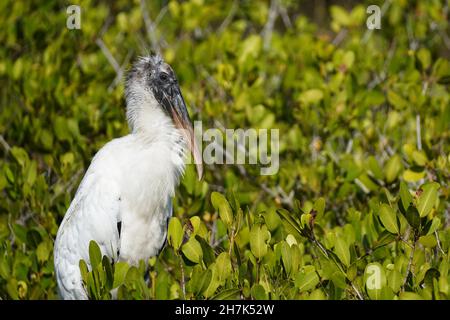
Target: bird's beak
[[180, 117]]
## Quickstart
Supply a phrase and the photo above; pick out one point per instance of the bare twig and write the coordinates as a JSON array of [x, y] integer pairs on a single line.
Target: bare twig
[[121, 72], [68, 187], [183, 281], [112, 61], [340, 37], [229, 17], [160, 16], [5, 144], [418, 134], [219, 241], [150, 27], [284, 16], [360, 296], [411, 256], [268, 28], [438, 242]]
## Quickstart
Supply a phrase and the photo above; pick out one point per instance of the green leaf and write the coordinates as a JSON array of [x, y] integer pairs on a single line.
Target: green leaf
[[290, 223], [108, 272], [342, 250], [120, 271], [84, 270], [311, 96], [221, 204], [435, 224], [208, 252], [95, 254], [389, 218], [213, 284], [33, 238], [424, 57], [374, 280], [419, 158], [340, 15], [21, 156], [413, 176], [392, 168], [175, 233], [395, 280], [405, 197], [259, 237], [228, 294], [375, 168], [43, 251], [427, 199], [407, 295], [428, 241], [413, 217], [258, 292], [319, 206], [200, 280], [307, 279], [286, 257], [223, 267], [431, 274], [193, 250], [332, 272]]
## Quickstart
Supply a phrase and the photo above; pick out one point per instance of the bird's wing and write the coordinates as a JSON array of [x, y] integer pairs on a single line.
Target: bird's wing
[[94, 214]]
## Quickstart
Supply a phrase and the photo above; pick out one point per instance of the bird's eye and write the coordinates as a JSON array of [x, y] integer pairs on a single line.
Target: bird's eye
[[163, 76]]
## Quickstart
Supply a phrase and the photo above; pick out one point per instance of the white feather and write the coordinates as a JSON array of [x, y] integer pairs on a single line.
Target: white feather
[[130, 180]]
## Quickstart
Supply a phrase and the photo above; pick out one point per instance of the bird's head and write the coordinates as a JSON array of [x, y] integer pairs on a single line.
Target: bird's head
[[151, 84]]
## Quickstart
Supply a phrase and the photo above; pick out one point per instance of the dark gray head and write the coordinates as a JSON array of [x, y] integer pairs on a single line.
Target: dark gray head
[[153, 75], [151, 83]]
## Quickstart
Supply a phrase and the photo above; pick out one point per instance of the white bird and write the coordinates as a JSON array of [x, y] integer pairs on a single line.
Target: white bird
[[124, 199]]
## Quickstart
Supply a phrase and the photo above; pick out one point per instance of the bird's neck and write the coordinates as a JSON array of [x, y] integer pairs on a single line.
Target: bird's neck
[[152, 128]]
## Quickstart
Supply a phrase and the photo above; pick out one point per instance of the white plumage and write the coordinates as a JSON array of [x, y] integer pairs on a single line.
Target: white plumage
[[130, 182]]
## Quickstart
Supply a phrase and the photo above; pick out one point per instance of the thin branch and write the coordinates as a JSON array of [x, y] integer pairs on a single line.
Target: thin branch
[[160, 16], [284, 16], [340, 37], [121, 72], [150, 27], [112, 61], [68, 187], [360, 296], [411, 256], [5, 144], [229, 17], [418, 133], [268, 28], [438, 242], [219, 241], [183, 280]]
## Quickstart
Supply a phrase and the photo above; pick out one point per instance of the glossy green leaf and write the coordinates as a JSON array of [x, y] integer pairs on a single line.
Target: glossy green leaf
[[221, 204], [306, 279], [192, 250], [427, 199], [342, 250], [389, 218], [175, 233], [95, 255], [259, 236]]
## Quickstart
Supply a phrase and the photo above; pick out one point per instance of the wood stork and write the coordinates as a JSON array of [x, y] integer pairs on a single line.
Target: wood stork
[[124, 199]]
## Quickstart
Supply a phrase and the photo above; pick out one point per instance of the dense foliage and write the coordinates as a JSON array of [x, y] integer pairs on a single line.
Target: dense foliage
[[364, 120]]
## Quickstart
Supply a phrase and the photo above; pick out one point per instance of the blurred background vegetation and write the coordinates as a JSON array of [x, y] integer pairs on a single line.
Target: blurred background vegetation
[[364, 120]]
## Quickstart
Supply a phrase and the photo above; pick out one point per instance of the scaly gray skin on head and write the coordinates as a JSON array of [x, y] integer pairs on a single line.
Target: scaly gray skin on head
[[157, 77]]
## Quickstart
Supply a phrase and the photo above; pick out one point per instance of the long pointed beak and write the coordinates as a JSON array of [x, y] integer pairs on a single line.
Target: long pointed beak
[[182, 121]]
